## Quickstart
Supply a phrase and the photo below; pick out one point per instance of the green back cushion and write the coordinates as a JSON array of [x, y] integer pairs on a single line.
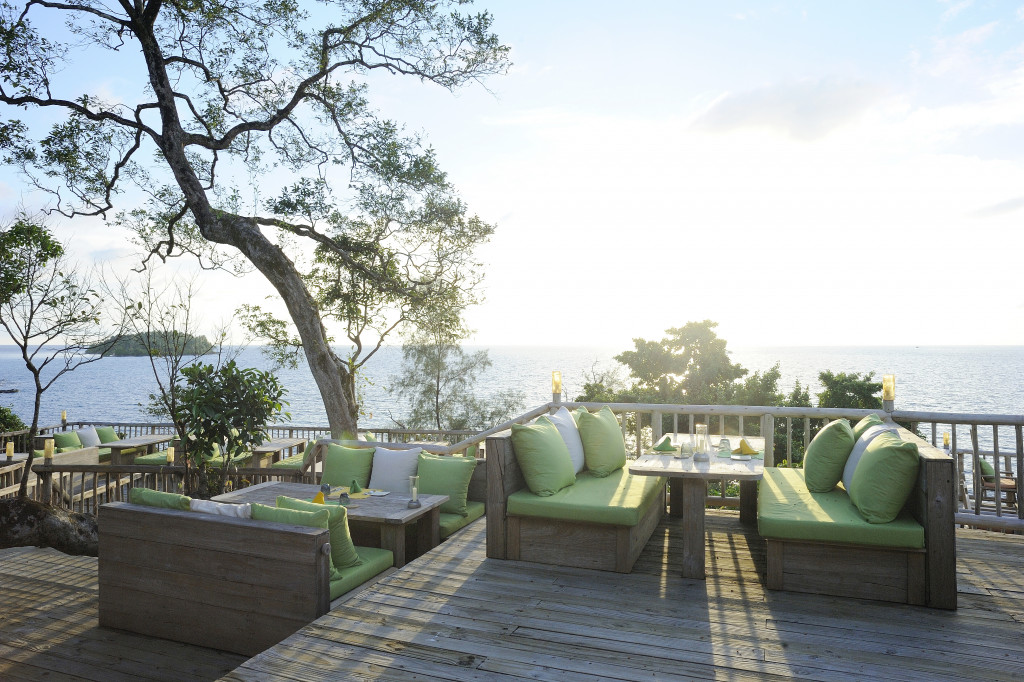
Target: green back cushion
[[107, 434], [66, 440], [343, 551], [884, 478], [296, 517], [603, 446], [826, 456], [342, 465], [865, 424], [155, 498], [987, 470], [447, 476], [543, 457]]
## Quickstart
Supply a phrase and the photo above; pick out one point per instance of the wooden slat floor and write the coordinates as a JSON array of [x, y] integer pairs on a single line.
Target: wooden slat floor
[[455, 615], [49, 628]]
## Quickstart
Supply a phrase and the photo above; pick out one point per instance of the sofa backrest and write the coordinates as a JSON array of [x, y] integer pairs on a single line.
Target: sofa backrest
[[504, 477]]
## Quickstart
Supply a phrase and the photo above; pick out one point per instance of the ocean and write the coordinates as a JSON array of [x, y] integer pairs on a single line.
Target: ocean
[[982, 379]]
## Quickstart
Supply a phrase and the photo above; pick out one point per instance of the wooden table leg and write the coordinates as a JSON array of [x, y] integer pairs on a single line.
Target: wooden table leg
[[748, 502], [428, 531], [675, 497], [694, 491], [392, 536]]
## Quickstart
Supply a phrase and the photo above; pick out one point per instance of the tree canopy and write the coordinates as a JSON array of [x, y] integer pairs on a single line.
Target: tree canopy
[[253, 132]]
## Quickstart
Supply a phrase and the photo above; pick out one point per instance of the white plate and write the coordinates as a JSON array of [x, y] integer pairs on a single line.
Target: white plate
[[377, 493], [741, 458]]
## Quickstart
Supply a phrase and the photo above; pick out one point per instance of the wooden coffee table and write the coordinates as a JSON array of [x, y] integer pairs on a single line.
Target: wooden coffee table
[[694, 477], [390, 513]]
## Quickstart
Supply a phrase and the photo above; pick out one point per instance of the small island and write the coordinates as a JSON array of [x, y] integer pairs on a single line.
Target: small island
[[135, 345]]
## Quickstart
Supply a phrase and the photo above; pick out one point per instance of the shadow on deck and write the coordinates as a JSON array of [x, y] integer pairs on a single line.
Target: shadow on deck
[[455, 615]]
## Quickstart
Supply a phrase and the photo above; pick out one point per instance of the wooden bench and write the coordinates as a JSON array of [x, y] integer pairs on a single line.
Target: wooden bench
[[217, 581], [924, 577], [555, 541]]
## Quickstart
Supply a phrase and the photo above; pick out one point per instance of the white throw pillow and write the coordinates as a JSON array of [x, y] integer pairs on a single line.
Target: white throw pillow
[[859, 447], [392, 469], [241, 511], [88, 436], [569, 432]]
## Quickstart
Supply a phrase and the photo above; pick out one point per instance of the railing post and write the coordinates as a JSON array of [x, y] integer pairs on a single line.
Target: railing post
[[655, 426], [768, 432]]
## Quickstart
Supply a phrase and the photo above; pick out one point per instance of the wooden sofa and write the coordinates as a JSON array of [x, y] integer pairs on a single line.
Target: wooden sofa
[[228, 583], [560, 542], [912, 576]]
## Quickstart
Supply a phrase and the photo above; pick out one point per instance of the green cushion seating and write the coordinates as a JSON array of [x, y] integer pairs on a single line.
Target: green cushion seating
[[64, 441], [372, 561], [446, 475], [155, 498], [542, 456], [450, 523], [343, 552], [617, 499], [107, 434], [884, 478], [988, 471], [787, 510], [343, 464], [296, 517], [295, 461], [152, 459], [826, 456], [866, 423], [603, 447]]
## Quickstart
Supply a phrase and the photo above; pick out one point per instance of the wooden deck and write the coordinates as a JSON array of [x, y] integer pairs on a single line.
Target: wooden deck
[[49, 628], [455, 615]]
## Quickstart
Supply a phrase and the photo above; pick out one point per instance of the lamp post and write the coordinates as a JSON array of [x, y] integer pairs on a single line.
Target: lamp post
[[888, 392], [556, 386]]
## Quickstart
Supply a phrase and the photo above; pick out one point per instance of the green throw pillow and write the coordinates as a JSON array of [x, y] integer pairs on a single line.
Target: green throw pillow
[[987, 470], [342, 465], [296, 517], [603, 447], [155, 498], [884, 478], [865, 424], [449, 476], [343, 552], [826, 456], [66, 440], [107, 434], [543, 457]]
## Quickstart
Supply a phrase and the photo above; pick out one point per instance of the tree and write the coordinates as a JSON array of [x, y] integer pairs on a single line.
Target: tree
[[224, 411], [232, 91], [437, 379], [10, 421], [50, 310], [849, 390]]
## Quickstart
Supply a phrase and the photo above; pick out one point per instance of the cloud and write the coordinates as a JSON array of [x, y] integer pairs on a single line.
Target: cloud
[[805, 110], [955, 9], [1002, 208]]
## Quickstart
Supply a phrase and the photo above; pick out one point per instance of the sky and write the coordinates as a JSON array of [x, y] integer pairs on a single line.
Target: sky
[[802, 173]]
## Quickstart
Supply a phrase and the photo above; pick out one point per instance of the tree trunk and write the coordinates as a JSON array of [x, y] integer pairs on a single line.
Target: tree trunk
[[28, 523]]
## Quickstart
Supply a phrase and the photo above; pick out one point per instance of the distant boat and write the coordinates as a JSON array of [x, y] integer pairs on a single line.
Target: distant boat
[[8, 390]]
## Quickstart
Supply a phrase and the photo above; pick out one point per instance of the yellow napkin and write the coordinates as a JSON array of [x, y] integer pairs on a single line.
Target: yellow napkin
[[318, 498], [744, 448]]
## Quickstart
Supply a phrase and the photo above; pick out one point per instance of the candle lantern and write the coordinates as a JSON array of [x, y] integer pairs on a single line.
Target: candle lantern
[[888, 391], [556, 386]]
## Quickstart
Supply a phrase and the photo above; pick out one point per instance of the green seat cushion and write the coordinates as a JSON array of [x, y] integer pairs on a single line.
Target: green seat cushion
[[238, 460], [104, 454], [866, 423], [454, 522], [154, 459], [155, 498], [295, 461], [826, 456], [884, 477], [542, 456], [441, 475], [603, 447], [786, 510], [66, 440], [107, 434], [619, 499], [372, 561], [343, 465], [343, 552], [296, 517]]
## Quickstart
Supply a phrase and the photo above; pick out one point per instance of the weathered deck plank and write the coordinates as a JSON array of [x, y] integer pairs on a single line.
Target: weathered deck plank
[[455, 615], [49, 628]]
